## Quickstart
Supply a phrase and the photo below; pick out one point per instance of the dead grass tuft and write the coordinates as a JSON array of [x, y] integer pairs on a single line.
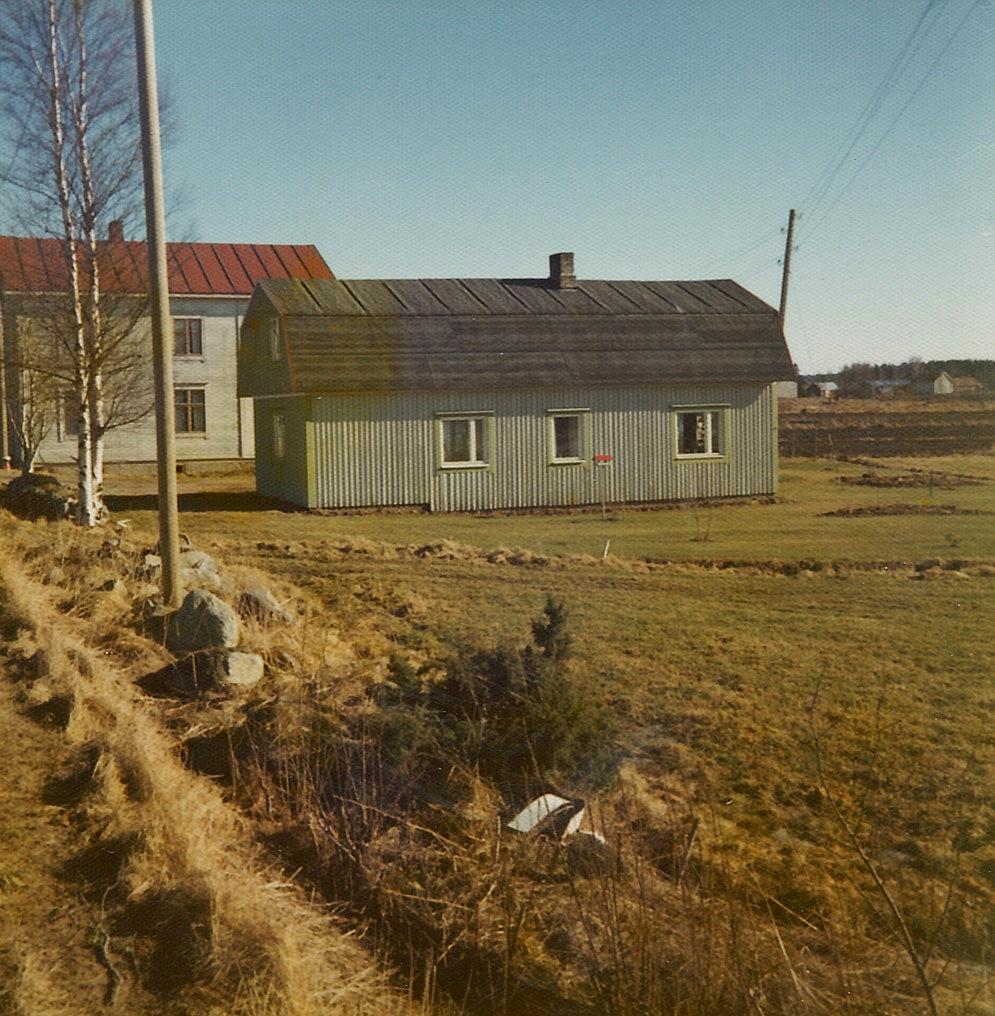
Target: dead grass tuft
[[166, 849]]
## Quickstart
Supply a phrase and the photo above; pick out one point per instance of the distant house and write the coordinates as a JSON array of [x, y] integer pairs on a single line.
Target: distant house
[[889, 387], [828, 390], [967, 385], [210, 285], [476, 394], [944, 384]]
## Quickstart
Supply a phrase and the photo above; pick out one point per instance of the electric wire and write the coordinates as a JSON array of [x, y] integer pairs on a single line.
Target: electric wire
[[898, 116]]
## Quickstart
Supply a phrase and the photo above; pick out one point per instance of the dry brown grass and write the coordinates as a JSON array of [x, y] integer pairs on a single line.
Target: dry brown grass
[[175, 849], [702, 938]]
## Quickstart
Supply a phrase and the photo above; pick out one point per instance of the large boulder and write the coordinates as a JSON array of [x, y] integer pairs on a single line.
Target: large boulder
[[206, 672], [259, 603], [202, 622]]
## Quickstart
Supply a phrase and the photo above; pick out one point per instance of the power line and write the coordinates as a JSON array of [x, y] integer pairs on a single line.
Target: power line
[[823, 184], [898, 116]]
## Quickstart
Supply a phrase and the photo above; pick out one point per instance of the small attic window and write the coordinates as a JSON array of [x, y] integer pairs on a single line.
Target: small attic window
[[275, 346]]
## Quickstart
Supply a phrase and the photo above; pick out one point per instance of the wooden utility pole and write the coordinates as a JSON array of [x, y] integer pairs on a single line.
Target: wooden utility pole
[[787, 268], [4, 438], [162, 353]]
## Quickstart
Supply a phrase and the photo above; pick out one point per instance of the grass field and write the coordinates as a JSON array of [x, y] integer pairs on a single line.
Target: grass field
[[724, 682], [796, 528], [714, 673]]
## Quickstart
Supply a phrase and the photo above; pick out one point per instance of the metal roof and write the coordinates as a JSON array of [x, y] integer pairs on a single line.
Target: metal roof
[[475, 297], [468, 334], [37, 265]]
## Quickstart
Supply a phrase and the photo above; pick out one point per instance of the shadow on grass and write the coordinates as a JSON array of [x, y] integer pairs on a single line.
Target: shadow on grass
[[201, 501]]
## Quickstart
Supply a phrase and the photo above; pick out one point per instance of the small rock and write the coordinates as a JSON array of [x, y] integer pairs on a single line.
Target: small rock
[[243, 670], [260, 603], [198, 562], [113, 586], [202, 622]]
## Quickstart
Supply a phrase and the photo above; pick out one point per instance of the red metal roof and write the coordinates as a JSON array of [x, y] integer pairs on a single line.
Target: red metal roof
[[36, 265]]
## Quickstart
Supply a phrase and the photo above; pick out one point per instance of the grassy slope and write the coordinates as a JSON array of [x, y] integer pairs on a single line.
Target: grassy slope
[[792, 530], [714, 673]]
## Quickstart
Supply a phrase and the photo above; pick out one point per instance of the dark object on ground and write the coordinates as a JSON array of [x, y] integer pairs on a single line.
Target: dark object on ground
[[37, 496], [939, 481], [904, 509], [209, 671]]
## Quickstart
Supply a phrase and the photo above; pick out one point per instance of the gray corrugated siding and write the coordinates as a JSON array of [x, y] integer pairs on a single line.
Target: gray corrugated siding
[[381, 450]]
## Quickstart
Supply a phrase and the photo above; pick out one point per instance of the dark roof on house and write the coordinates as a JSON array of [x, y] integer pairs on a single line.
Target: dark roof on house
[[464, 334], [37, 265]]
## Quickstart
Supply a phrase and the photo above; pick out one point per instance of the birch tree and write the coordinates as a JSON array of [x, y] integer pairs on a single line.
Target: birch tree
[[70, 120]]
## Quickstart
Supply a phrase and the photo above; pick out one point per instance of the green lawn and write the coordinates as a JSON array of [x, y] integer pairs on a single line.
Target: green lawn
[[795, 528]]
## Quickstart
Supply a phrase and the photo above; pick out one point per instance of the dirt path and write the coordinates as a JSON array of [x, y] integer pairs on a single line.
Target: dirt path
[[48, 963]]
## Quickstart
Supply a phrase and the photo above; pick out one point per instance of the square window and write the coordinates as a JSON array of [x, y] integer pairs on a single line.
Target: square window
[[464, 441], [187, 337], [700, 433], [191, 410], [567, 437]]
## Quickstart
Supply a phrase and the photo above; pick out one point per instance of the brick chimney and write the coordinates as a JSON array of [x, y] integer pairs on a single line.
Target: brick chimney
[[561, 271], [115, 231]]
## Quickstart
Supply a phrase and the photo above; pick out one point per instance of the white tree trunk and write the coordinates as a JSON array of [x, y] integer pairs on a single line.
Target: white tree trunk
[[93, 331], [85, 510]]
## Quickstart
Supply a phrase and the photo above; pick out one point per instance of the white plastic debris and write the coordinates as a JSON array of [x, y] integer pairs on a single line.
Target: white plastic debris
[[538, 811]]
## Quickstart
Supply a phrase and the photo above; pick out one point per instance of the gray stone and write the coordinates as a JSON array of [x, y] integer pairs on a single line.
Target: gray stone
[[202, 622], [260, 603], [243, 670], [198, 564]]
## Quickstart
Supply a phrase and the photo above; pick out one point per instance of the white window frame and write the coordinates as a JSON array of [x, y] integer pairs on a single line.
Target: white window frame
[[188, 356], [583, 417], [184, 387], [722, 411], [279, 434], [475, 461]]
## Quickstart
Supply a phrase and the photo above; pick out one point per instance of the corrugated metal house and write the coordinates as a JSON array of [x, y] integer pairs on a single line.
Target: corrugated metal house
[[210, 285], [476, 394]]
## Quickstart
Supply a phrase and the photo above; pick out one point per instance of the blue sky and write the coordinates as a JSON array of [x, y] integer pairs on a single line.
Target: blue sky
[[653, 139]]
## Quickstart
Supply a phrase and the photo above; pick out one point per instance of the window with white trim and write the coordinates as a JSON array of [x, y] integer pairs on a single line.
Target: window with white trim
[[463, 441], [190, 406], [279, 435], [567, 436], [188, 338], [701, 433]]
